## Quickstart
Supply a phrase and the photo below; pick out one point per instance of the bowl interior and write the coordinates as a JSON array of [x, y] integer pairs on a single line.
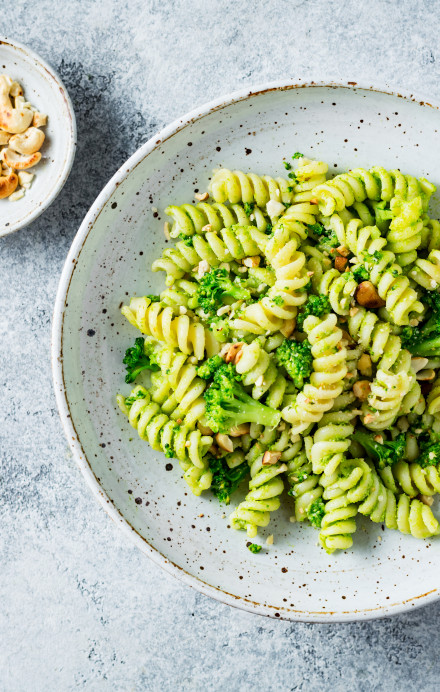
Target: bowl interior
[[44, 90], [110, 261]]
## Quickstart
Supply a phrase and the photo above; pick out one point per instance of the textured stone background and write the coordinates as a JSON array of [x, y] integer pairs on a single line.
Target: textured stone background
[[79, 607]]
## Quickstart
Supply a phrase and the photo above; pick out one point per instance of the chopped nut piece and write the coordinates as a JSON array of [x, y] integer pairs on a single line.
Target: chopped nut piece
[[361, 389], [369, 418], [232, 352], [425, 375], [252, 261], [379, 439], [314, 201], [353, 311], [419, 363], [201, 196], [39, 120], [403, 424], [203, 267], [414, 322], [207, 228], [365, 366], [426, 499], [187, 443], [367, 295], [224, 442], [269, 539], [344, 251], [183, 310], [340, 263], [166, 230], [275, 208], [239, 430], [270, 458], [223, 310], [201, 514], [310, 273], [288, 328]]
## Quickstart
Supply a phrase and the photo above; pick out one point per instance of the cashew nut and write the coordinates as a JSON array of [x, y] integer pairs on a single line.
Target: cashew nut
[[8, 183], [15, 89], [20, 162], [40, 119], [13, 120], [29, 142]]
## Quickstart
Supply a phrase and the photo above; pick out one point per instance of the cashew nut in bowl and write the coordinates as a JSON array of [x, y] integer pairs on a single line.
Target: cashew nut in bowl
[[18, 161], [13, 120], [29, 142], [8, 184]]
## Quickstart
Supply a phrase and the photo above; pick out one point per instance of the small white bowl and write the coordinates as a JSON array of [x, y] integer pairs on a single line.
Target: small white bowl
[[43, 89]]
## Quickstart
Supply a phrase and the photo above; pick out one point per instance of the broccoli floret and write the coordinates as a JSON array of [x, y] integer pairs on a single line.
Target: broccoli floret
[[187, 239], [169, 451], [139, 357], [430, 456], [315, 512], [360, 273], [325, 236], [297, 155], [207, 370], [287, 165], [216, 285], [424, 340], [384, 453], [316, 305], [296, 357], [382, 215], [253, 547], [228, 405], [248, 208], [153, 297], [225, 480]]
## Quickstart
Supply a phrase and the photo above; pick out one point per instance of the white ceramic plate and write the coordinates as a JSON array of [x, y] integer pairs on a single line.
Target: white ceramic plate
[[110, 258], [43, 89]]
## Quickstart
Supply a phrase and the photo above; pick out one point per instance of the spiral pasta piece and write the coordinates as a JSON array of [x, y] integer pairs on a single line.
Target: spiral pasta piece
[[359, 184], [236, 186], [413, 479], [394, 288], [259, 370], [430, 234], [362, 486], [433, 399], [385, 398], [426, 272], [153, 319], [329, 370], [307, 176], [375, 336], [304, 484], [331, 441], [235, 242], [283, 298], [181, 376], [189, 219], [405, 232], [189, 446], [339, 288], [265, 488]]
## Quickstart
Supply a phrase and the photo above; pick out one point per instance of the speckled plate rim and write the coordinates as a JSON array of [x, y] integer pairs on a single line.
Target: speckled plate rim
[[60, 387], [44, 67]]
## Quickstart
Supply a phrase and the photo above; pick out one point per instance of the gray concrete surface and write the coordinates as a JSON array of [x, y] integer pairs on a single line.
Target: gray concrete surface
[[79, 607]]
